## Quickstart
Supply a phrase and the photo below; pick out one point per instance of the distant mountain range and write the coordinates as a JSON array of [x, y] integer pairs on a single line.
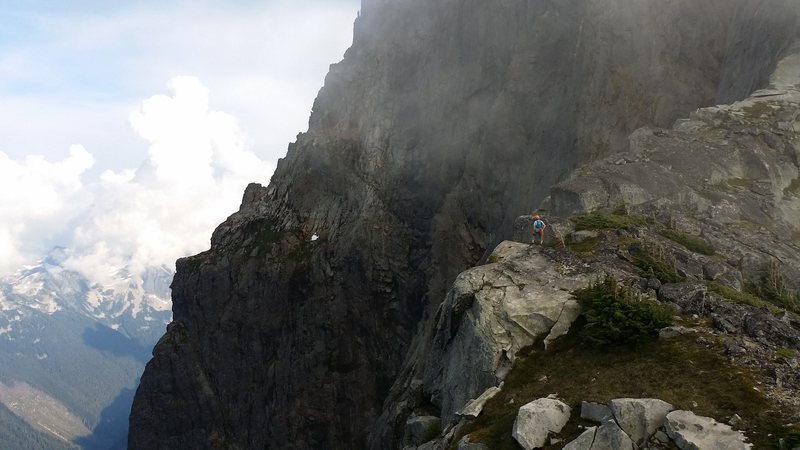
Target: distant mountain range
[[72, 352]]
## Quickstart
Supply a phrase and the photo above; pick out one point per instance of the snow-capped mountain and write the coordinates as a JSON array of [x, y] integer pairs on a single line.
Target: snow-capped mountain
[[142, 300], [71, 351]]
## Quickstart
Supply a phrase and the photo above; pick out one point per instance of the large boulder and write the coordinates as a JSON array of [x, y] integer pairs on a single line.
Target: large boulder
[[584, 441], [493, 311], [693, 432], [537, 419], [611, 437], [595, 412], [640, 418], [608, 436], [474, 407], [690, 297]]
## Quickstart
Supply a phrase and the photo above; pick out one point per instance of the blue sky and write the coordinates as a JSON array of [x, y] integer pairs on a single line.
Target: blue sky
[[70, 70], [129, 129]]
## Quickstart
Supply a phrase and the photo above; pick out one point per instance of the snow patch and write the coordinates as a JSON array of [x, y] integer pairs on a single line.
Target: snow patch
[[5, 330], [93, 299], [28, 286]]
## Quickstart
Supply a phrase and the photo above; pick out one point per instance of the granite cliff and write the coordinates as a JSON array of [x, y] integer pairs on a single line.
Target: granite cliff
[[443, 123], [701, 218]]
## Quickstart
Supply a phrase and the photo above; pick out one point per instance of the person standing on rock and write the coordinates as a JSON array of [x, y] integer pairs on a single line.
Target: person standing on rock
[[538, 228]]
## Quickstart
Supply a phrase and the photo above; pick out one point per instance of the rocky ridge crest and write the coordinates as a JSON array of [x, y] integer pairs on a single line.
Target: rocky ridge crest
[[444, 122], [727, 176]]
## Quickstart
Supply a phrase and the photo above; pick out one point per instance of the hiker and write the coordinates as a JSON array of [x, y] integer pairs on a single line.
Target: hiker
[[538, 228]]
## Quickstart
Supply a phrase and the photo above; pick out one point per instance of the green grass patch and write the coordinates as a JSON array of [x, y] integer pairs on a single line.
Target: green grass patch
[[793, 188], [601, 220], [653, 260], [735, 296], [758, 110], [783, 299], [615, 315], [772, 288], [732, 185], [679, 371], [691, 242], [586, 247], [785, 353]]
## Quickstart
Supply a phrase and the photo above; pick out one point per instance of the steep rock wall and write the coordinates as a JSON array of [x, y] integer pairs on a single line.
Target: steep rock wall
[[444, 121]]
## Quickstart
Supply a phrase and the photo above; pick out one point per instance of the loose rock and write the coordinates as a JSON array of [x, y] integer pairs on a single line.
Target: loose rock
[[692, 432], [640, 418], [537, 419], [595, 411]]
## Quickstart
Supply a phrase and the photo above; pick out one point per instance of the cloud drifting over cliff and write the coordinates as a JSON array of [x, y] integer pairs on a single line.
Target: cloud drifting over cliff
[[199, 162]]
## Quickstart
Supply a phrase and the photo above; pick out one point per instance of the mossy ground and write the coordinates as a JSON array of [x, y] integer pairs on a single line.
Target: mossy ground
[[735, 296], [793, 188], [653, 261], [785, 353], [601, 220], [759, 110], [587, 247], [680, 371], [733, 185], [691, 242]]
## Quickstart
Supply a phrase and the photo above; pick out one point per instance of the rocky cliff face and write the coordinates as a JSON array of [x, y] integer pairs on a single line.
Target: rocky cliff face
[[444, 122], [714, 202]]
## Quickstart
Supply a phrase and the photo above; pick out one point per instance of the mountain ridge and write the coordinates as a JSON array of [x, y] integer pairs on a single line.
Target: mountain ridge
[[444, 122], [70, 348]]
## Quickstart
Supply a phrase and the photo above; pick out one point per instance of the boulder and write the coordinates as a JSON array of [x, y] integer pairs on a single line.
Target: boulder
[[608, 436], [690, 297], [692, 432], [611, 437], [474, 407], [724, 324], [505, 250], [584, 441], [640, 418], [490, 314], [582, 236], [421, 429], [537, 419], [595, 412]]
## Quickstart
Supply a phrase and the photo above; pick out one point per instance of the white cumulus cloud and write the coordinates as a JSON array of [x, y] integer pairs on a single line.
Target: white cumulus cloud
[[199, 162], [37, 199]]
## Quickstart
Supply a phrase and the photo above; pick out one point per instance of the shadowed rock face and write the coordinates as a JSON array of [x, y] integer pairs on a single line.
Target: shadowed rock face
[[444, 121]]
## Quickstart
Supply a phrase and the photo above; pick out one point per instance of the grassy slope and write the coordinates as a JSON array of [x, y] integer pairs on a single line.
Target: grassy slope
[[681, 371], [690, 375]]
